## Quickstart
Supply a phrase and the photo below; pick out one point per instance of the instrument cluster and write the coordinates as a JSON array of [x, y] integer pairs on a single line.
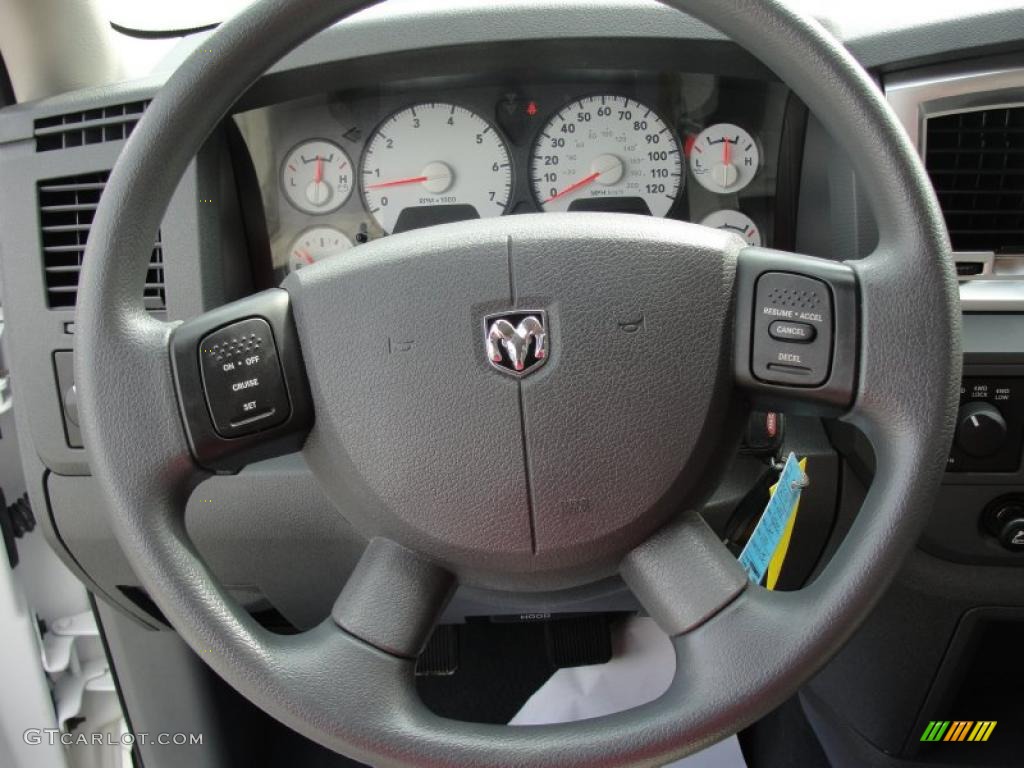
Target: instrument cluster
[[339, 170]]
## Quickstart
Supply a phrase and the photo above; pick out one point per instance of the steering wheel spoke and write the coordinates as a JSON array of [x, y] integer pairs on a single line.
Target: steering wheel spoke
[[797, 331], [240, 382], [393, 599], [683, 575]]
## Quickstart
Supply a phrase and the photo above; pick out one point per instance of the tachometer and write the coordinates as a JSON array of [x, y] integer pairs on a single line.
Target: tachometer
[[607, 153], [434, 163]]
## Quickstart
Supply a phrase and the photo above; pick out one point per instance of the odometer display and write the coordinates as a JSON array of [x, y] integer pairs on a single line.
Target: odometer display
[[607, 153]]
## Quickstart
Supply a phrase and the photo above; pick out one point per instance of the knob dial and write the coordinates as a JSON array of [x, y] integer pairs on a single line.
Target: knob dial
[[981, 429], [1005, 520], [1011, 535]]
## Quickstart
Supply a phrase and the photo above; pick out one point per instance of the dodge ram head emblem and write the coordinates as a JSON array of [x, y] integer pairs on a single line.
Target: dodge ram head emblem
[[517, 342]]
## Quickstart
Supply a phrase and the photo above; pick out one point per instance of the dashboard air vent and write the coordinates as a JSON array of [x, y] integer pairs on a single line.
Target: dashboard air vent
[[976, 163], [66, 208], [91, 126]]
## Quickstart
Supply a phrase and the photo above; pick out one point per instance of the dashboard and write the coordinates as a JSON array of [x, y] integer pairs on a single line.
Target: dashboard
[[338, 170]]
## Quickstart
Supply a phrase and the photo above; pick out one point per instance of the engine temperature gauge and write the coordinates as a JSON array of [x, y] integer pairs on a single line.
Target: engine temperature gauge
[[735, 222], [315, 244], [724, 158], [317, 176]]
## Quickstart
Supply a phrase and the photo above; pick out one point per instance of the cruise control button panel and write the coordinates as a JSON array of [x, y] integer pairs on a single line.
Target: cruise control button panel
[[242, 378], [241, 383], [793, 328]]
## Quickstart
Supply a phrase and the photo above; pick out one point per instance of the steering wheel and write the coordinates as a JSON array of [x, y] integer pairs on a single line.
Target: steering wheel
[[381, 366]]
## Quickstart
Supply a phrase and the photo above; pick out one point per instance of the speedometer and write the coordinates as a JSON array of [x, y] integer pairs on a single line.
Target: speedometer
[[607, 153], [435, 163]]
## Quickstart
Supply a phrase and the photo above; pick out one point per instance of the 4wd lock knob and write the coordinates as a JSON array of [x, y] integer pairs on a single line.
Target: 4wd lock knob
[[981, 429]]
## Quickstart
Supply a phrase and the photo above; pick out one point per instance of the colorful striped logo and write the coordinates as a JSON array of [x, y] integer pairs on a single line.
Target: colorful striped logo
[[958, 730]]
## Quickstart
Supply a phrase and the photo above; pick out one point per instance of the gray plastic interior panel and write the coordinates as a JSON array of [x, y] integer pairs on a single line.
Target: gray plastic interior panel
[[203, 267], [202, 254], [876, 40], [249, 527], [873, 685], [146, 661], [63, 369], [994, 339]]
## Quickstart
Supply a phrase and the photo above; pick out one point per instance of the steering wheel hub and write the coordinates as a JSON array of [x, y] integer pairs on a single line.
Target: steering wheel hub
[[552, 476]]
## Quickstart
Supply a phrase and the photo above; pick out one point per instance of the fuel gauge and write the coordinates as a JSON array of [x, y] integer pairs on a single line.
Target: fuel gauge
[[315, 244], [735, 222]]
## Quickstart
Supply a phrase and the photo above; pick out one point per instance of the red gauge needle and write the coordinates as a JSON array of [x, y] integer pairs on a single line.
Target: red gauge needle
[[305, 255], [726, 151], [574, 186], [398, 182], [318, 174]]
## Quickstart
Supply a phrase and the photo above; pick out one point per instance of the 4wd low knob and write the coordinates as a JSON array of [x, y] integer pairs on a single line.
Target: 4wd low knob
[[1004, 518], [981, 429]]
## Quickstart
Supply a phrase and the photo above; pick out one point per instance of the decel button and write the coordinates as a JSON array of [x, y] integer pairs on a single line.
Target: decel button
[[801, 333], [242, 378]]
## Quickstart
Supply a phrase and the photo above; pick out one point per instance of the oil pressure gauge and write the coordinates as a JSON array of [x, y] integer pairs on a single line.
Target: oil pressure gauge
[[724, 158], [317, 176]]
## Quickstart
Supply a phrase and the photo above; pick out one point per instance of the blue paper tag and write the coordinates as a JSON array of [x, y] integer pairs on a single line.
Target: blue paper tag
[[756, 556]]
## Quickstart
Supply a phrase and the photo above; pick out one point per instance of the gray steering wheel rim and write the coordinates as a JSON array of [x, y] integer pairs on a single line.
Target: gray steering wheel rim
[[906, 399]]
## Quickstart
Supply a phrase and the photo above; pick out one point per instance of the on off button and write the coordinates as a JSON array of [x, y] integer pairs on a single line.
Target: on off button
[[242, 378]]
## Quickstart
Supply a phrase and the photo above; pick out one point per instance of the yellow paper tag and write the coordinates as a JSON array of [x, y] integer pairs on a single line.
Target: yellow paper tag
[[779, 557]]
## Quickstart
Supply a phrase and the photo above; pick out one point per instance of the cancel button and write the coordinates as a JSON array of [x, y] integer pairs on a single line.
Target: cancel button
[[784, 330]]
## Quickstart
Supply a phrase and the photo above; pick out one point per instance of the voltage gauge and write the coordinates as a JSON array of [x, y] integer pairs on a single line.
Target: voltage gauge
[[735, 222], [316, 244]]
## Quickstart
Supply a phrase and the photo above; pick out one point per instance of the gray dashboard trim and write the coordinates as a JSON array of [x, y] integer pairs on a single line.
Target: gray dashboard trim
[[919, 94], [395, 26]]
